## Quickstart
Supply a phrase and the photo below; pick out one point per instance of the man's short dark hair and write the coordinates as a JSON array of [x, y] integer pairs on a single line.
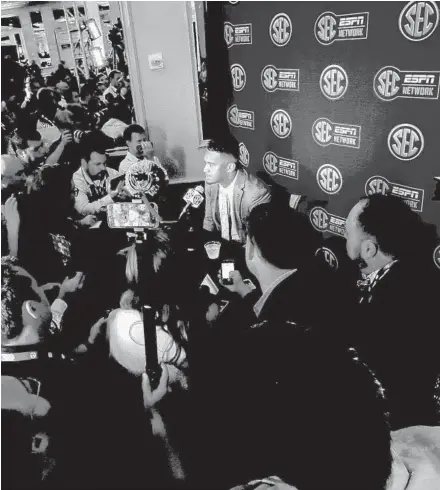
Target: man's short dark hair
[[284, 236], [132, 128], [113, 73], [226, 144], [398, 230], [94, 141]]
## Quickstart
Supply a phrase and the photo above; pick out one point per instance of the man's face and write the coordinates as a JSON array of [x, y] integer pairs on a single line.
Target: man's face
[[37, 149], [96, 166], [135, 145], [75, 97], [117, 80], [216, 167], [354, 233]]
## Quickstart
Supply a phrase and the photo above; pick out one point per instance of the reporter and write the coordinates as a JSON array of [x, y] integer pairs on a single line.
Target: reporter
[[92, 180]]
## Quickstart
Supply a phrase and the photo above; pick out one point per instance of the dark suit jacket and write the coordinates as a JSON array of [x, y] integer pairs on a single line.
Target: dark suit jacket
[[249, 191], [397, 334]]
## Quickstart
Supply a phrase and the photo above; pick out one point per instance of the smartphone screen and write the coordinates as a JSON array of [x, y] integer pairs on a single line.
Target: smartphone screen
[[227, 267], [130, 215]]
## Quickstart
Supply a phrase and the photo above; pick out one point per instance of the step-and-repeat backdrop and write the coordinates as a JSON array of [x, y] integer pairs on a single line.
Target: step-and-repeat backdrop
[[338, 100]]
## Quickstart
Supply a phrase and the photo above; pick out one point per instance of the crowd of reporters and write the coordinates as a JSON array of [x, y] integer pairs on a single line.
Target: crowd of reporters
[[305, 382]]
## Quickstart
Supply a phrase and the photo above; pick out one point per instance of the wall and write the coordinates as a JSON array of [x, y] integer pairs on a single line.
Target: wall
[[167, 96], [336, 100]]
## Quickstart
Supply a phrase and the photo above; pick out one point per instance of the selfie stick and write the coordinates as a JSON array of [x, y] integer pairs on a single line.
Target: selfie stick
[[152, 367]]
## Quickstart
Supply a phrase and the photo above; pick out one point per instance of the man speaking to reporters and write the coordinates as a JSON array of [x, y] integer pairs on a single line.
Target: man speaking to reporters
[[231, 192]]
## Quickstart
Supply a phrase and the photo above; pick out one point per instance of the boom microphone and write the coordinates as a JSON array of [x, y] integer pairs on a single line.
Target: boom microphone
[[193, 198]]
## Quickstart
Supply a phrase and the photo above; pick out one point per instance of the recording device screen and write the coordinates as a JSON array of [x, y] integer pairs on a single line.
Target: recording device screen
[[130, 215], [227, 267]]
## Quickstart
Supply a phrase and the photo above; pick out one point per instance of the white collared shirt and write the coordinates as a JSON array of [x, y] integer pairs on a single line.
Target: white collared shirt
[[261, 302], [225, 197]]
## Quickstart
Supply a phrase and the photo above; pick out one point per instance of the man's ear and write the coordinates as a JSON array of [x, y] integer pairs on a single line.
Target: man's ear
[[232, 167], [369, 249]]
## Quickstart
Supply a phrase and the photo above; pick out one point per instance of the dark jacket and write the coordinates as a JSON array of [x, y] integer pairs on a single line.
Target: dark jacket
[[277, 398], [397, 334]]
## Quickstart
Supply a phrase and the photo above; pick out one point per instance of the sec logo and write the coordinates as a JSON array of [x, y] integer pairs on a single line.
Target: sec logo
[[436, 256], [270, 162], [229, 34], [281, 123], [329, 179], [319, 219], [244, 154], [328, 256], [238, 77], [322, 132], [333, 82], [280, 30], [406, 142], [376, 185], [233, 115], [418, 20], [325, 30], [269, 78], [386, 83]]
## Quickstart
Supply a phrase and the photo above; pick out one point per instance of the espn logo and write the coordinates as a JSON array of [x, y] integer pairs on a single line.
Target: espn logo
[[276, 165], [411, 195], [273, 78], [323, 221], [330, 27], [240, 118], [391, 83], [326, 132], [237, 34]]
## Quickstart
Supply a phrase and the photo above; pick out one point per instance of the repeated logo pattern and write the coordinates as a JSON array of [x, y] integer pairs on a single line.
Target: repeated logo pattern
[[282, 101]]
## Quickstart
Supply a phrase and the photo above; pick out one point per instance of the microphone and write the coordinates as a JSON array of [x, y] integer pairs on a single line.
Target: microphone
[[193, 198]]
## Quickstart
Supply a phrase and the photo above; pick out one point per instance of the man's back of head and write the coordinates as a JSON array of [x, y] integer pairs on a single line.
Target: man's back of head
[[399, 232], [284, 237]]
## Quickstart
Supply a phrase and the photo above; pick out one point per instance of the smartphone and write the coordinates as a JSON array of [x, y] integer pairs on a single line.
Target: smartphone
[[227, 267], [131, 215], [152, 366], [116, 181]]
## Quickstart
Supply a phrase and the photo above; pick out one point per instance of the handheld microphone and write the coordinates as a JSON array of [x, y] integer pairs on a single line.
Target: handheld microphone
[[193, 198]]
